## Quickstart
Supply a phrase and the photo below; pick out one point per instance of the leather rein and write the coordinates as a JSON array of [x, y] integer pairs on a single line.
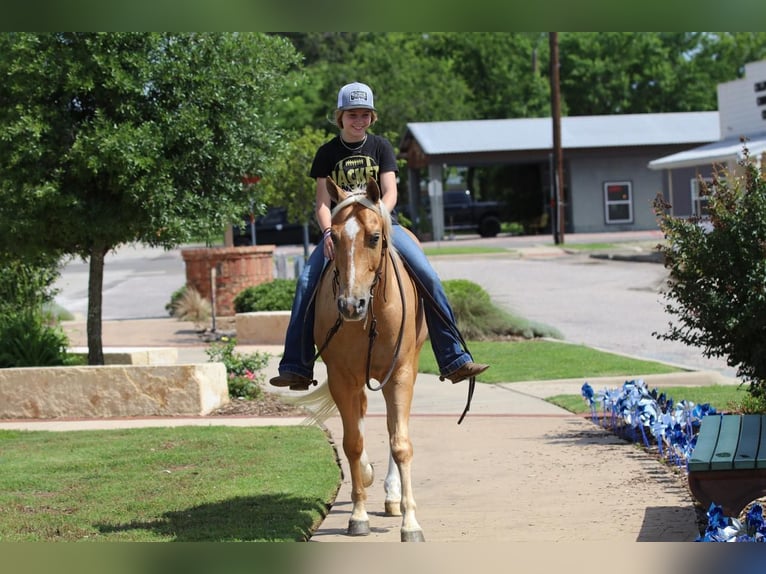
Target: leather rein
[[361, 198], [373, 331]]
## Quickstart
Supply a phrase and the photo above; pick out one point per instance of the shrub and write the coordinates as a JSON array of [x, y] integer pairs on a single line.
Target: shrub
[[276, 295], [478, 318], [243, 371], [716, 288], [170, 306], [29, 335], [191, 306], [26, 284], [27, 341]]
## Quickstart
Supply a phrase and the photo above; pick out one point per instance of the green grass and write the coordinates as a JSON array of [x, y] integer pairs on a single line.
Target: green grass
[[722, 397], [532, 360], [215, 484], [463, 250]]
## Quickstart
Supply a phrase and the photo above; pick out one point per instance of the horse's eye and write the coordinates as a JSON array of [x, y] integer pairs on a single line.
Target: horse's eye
[[374, 239]]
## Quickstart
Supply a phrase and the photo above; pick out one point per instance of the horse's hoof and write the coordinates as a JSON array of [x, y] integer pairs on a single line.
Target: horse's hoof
[[413, 536], [358, 527], [393, 508]]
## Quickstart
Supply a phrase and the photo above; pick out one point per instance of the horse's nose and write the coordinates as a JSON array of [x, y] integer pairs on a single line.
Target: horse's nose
[[352, 307]]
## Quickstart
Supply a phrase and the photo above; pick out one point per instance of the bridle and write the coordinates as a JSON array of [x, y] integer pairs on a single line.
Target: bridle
[[379, 273], [361, 197]]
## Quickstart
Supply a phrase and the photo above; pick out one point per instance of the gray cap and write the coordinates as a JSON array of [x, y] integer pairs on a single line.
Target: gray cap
[[355, 95]]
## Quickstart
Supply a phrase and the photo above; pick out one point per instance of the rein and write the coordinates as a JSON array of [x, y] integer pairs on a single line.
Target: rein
[[373, 332], [360, 197], [374, 322]]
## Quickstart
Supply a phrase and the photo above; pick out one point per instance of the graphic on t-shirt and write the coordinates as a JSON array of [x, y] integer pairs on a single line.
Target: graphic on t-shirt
[[354, 171]]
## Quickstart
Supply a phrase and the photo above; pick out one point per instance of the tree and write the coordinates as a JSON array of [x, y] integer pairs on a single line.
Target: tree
[[411, 84], [651, 72], [288, 183], [107, 139], [507, 72], [717, 286]]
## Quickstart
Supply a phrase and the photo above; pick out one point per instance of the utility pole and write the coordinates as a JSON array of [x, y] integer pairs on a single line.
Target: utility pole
[[557, 202]]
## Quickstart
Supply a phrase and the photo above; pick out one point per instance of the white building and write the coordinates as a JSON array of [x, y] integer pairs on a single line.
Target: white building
[[742, 122]]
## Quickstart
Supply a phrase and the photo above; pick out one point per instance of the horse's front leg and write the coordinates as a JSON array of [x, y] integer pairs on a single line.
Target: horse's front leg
[[352, 411], [410, 530], [401, 450]]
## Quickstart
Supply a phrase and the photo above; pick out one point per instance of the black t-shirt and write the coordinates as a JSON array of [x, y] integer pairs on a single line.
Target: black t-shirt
[[351, 167]]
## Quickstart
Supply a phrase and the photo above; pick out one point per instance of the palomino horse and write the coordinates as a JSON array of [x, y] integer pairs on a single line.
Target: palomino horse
[[370, 326]]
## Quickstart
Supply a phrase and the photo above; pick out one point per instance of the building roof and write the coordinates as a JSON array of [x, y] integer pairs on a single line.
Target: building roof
[[477, 136], [720, 152]]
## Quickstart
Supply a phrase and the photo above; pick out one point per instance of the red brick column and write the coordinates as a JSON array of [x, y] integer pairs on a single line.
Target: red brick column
[[236, 268]]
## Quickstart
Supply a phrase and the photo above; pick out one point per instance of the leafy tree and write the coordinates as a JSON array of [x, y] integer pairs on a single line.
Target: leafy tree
[[507, 72], [329, 47], [614, 72], [650, 72], [113, 138], [717, 291], [411, 83], [288, 184], [484, 75]]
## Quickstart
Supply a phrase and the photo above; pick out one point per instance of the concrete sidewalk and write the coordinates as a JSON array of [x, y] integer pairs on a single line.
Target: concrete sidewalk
[[516, 469]]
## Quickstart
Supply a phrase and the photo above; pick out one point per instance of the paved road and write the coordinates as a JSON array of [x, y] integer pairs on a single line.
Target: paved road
[[612, 305]]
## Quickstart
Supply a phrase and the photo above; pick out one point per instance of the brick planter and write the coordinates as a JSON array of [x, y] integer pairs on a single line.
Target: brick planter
[[236, 268]]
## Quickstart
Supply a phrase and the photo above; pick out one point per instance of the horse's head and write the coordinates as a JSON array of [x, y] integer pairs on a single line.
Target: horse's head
[[361, 229]]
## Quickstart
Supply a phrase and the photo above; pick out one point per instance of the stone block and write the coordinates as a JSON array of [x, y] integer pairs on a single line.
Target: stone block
[[134, 355], [112, 391], [262, 327]]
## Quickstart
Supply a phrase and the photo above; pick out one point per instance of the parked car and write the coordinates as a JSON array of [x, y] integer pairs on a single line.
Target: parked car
[[273, 228], [462, 212]]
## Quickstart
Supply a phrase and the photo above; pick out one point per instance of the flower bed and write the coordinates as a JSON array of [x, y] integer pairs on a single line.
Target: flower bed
[[638, 414]]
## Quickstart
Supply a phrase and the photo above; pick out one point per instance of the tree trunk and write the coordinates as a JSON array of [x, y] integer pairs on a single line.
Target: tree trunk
[[95, 295]]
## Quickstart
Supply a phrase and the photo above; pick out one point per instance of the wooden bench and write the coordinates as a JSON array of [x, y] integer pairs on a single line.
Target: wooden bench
[[728, 463]]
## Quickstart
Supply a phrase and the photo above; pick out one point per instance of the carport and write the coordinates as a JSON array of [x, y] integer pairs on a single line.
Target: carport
[[607, 185]]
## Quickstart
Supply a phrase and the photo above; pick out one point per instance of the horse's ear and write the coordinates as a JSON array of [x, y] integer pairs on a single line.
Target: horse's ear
[[373, 191], [336, 193]]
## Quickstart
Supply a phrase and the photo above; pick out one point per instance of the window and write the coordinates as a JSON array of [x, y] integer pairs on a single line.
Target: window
[[618, 201], [699, 201]]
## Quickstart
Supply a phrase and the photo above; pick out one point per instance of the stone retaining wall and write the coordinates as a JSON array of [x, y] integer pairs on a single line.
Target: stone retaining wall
[[262, 327], [112, 391], [133, 355]]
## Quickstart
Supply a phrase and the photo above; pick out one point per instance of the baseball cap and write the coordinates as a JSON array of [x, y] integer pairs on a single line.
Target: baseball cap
[[355, 95]]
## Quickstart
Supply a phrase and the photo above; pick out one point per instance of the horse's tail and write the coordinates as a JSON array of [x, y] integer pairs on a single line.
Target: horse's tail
[[318, 402]]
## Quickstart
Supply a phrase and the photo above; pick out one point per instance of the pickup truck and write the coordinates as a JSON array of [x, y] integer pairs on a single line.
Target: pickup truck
[[461, 212], [273, 227]]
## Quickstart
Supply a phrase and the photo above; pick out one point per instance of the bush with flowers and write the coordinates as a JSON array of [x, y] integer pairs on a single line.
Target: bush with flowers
[[243, 371]]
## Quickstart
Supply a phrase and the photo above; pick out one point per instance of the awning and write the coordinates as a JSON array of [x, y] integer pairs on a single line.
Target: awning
[[720, 152]]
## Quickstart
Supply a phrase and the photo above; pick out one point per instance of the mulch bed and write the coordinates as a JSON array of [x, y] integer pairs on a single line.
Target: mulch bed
[[269, 405]]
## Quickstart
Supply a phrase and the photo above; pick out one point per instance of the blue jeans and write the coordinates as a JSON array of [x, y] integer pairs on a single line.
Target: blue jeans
[[298, 357]]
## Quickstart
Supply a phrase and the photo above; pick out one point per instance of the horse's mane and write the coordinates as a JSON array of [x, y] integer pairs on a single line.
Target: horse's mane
[[359, 195]]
